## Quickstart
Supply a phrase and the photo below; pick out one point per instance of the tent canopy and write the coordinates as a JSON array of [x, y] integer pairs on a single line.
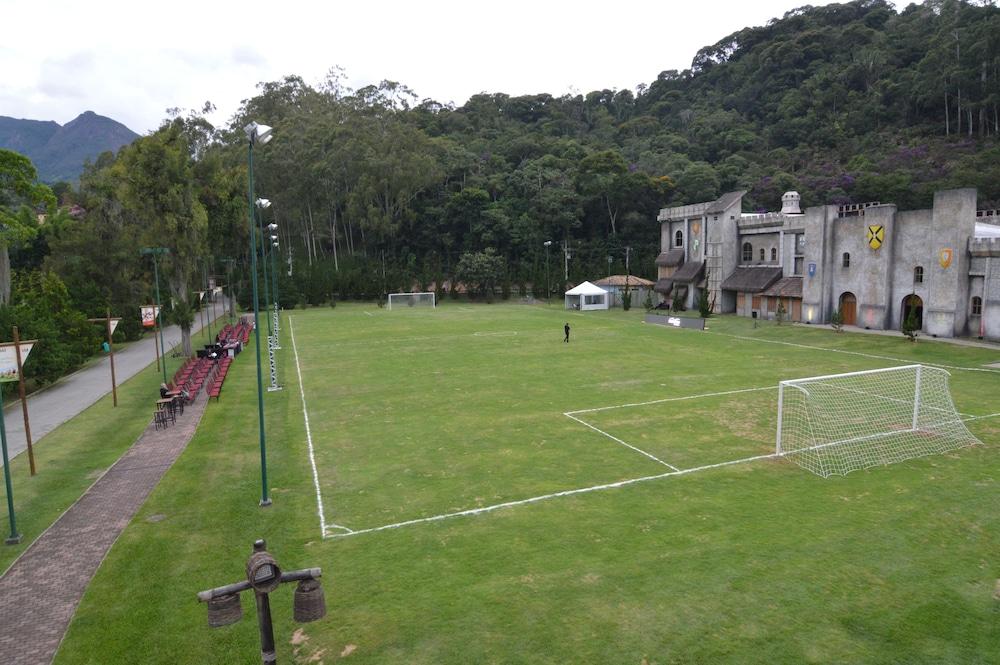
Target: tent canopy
[[586, 289]]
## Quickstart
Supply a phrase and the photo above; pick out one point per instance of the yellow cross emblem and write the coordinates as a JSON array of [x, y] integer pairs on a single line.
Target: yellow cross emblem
[[876, 235]]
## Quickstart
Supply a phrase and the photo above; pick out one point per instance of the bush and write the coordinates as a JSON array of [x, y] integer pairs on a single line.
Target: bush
[[837, 320]]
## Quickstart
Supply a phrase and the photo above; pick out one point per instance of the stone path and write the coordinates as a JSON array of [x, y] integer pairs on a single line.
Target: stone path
[[41, 589]]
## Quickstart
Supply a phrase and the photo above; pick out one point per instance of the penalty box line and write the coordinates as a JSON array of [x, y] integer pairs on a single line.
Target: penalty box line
[[545, 497], [312, 456]]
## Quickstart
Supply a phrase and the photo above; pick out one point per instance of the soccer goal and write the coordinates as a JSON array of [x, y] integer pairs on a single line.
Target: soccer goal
[[424, 299], [844, 422]]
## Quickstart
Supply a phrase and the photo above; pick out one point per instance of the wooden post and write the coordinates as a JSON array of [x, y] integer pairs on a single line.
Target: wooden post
[[111, 351], [24, 402]]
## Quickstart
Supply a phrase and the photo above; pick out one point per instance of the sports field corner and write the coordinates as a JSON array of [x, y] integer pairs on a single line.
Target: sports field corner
[[477, 490]]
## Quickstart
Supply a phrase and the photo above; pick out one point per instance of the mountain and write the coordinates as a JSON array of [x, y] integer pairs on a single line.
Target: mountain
[[59, 152]]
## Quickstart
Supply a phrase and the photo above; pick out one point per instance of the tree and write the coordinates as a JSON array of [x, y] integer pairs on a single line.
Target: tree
[[157, 183], [20, 197], [481, 271], [704, 307], [837, 320], [779, 316], [910, 325]]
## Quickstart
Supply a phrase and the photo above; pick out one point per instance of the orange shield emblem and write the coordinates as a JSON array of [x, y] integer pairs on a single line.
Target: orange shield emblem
[[945, 256]]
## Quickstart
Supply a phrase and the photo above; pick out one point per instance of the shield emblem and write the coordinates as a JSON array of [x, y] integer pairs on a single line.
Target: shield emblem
[[945, 256], [876, 235]]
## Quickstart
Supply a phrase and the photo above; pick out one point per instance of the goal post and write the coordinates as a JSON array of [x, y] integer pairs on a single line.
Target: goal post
[[421, 299], [840, 423]]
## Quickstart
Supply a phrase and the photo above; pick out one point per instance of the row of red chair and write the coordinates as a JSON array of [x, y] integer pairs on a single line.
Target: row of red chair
[[215, 385]]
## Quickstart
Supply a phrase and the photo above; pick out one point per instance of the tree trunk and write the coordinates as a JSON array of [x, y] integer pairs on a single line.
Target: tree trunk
[[333, 239], [4, 275], [947, 116]]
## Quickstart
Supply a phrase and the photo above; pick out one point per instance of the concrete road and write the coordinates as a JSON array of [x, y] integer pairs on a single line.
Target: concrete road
[[51, 407]]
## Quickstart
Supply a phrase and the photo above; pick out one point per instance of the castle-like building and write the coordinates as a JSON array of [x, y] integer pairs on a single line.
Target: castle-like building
[[871, 261]]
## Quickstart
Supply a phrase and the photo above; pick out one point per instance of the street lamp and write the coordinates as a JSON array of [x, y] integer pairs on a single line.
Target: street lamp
[[273, 229], [257, 133], [263, 576], [548, 287], [264, 204], [154, 252]]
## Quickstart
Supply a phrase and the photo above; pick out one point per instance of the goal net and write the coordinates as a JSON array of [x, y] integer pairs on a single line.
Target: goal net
[[844, 422], [411, 300]]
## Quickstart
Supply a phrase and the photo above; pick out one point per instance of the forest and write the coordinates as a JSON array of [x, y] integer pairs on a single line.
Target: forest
[[377, 190]]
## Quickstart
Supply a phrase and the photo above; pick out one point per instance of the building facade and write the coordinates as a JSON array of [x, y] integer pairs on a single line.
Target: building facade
[[872, 262]]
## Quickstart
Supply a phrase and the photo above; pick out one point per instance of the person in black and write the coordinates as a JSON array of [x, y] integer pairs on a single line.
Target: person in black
[[566, 330]]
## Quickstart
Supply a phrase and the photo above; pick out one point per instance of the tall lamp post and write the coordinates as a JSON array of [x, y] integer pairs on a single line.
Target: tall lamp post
[[154, 252], [548, 285], [257, 133]]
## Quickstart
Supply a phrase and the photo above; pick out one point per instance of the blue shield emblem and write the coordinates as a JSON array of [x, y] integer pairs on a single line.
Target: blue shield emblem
[[812, 269]]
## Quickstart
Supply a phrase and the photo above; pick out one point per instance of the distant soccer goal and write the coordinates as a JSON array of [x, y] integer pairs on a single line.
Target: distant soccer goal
[[844, 422], [424, 299]]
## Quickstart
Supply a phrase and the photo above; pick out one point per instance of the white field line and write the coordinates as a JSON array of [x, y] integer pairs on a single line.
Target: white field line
[[369, 313], [627, 445], [852, 353], [312, 457], [671, 399], [554, 495]]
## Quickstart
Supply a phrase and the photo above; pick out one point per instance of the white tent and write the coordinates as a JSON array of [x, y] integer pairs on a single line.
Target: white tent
[[587, 296]]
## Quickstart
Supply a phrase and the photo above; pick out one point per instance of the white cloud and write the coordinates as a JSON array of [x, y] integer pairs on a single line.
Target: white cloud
[[132, 66]]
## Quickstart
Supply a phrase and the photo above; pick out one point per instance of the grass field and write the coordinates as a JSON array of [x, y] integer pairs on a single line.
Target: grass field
[[472, 500]]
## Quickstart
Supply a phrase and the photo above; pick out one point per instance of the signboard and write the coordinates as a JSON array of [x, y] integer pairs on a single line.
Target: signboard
[[945, 256], [812, 269], [114, 325], [8, 359], [201, 295], [149, 314]]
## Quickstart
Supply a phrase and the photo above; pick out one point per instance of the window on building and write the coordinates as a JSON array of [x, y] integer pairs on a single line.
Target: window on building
[[847, 260], [761, 253], [774, 253], [747, 252], [977, 306], [800, 243], [797, 270], [918, 275], [679, 238]]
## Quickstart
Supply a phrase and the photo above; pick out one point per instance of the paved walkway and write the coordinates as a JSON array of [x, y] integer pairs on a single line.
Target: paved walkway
[[40, 591], [957, 341], [51, 407]]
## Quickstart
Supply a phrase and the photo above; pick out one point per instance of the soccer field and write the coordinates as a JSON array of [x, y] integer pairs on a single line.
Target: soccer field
[[422, 414], [478, 491]]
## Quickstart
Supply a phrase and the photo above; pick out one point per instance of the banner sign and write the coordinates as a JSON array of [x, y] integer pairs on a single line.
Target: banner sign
[[149, 314], [201, 295], [945, 256], [876, 235], [8, 359], [676, 321], [114, 324]]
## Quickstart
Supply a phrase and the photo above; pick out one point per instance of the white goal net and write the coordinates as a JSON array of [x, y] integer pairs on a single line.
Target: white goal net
[[423, 299], [844, 422]]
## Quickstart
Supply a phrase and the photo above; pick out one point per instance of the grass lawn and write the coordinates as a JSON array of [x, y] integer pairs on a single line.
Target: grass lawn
[[415, 414]]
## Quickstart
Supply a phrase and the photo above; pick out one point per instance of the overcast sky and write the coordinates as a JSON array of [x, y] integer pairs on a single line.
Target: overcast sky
[[133, 60]]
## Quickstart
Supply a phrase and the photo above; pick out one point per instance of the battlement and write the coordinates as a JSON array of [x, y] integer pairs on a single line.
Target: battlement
[[984, 246], [855, 209], [995, 214], [678, 213]]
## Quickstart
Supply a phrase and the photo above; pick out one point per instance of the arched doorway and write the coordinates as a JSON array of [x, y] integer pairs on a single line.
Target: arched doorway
[[913, 302], [848, 309]]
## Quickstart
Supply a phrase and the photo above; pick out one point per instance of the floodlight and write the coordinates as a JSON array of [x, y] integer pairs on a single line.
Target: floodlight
[[263, 203], [275, 244], [258, 133], [274, 237], [547, 243], [272, 227]]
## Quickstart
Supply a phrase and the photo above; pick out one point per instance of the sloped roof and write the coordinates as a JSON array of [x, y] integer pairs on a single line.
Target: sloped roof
[[689, 272], [619, 280], [786, 287], [720, 204], [751, 280], [671, 257], [664, 285], [586, 289]]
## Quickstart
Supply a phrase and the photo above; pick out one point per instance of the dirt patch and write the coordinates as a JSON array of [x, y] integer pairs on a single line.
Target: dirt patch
[[158, 517], [348, 650]]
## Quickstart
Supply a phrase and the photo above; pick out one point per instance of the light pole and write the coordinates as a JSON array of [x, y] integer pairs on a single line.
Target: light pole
[[257, 134], [548, 285], [264, 204], [263, 576], [154, 252]]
